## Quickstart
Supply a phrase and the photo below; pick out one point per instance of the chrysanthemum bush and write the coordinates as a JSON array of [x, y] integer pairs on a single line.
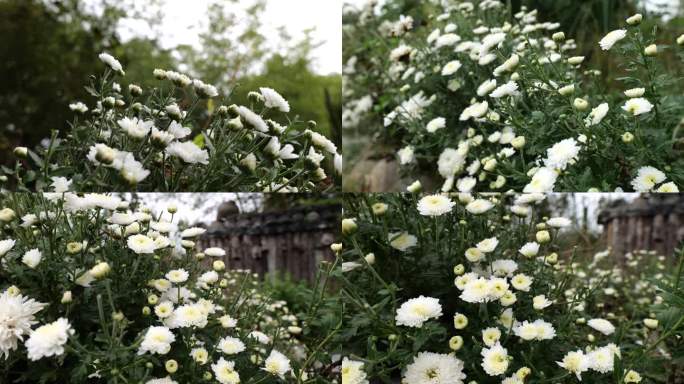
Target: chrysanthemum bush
[[476, 289], [93, 289], [129, 138], [475, 97]]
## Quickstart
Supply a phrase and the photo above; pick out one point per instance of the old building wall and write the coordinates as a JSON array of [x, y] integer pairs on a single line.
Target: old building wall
[[293, 242]]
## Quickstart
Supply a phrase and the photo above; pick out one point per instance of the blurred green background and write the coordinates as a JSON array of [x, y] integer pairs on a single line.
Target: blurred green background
[[49, 48]]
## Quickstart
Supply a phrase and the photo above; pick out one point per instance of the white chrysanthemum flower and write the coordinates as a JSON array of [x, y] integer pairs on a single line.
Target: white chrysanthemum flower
[[16, 318], [402, 240], [260, 337], [491, 336], [225, 372], [521, 282], [178, 276], [352, 372], [558, 222], [474, 111], [637, 106], [132, 170], [562, 153], [540, 302], [476, 291], [416, 311], [602, 325], [32, 258], [160, 137], [157, 340], [78, 107], [447, 40], [49, 339], [192, 232], [508, 89], [434, 368], [450, 162], [277, 364], [406, 155], [529, 249], [178, 131], [486, 87], [466, 184], [543, 180], [495, 360], [488, 245], [435, 124], [256, 121], [504, 267], [231, 345], [635, 92], [435, 205], [492, 40], [136, 128], [611, 38], [165, 380], [204, 90], [479, 206], [188, 315], [112, 62], [668, 188], [597, 114], [602, 359], [273, 99], [189, 152], [215, 252], [451, 67], [163, 309], [6, 246], [575, 362], [141, 244], [647, 178]]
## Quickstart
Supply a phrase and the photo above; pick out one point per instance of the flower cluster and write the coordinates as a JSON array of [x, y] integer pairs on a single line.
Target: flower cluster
[[477, 97], [456, 288], [155, 140], [98, 287]]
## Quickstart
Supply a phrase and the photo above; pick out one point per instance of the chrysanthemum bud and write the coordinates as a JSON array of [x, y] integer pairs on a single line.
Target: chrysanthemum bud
[[580, 104], [680, 40], [543, 237], [7, 215], [567, 90], [21, 151], [152, 299], [460, 321], [627, 137], [455, 343], [100, 270], [379, 209], [311, 124], [235, 124], [172, 208], [171, 366], [187, 244], [518, 142], [552, 258], [146, 311], [160, 74], [576, 60], [459, 269], [118, 316], [233, 111], [635, 20], [219, 265], [651, 323], [66, 297], [370, 258], [336, 247], [135, 90], [632, 376], [490, 165], [558, 36], [74, 247], [651, 50], [109, 102], [348, 226], [415, 187]]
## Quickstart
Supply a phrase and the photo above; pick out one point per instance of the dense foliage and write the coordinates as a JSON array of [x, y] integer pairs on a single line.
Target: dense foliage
[[451, 291], [475, 96], [95, 290]]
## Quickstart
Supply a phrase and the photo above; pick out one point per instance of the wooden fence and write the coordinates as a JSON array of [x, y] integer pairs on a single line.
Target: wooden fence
[[292, 242], [652, 222]]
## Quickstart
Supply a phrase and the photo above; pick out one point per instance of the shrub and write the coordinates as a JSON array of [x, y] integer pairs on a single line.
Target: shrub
[[474, 290], [139, 139], [95, 290], [476, 98]]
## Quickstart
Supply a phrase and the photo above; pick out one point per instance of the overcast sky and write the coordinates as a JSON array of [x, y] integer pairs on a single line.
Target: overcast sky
[[182, 17]]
